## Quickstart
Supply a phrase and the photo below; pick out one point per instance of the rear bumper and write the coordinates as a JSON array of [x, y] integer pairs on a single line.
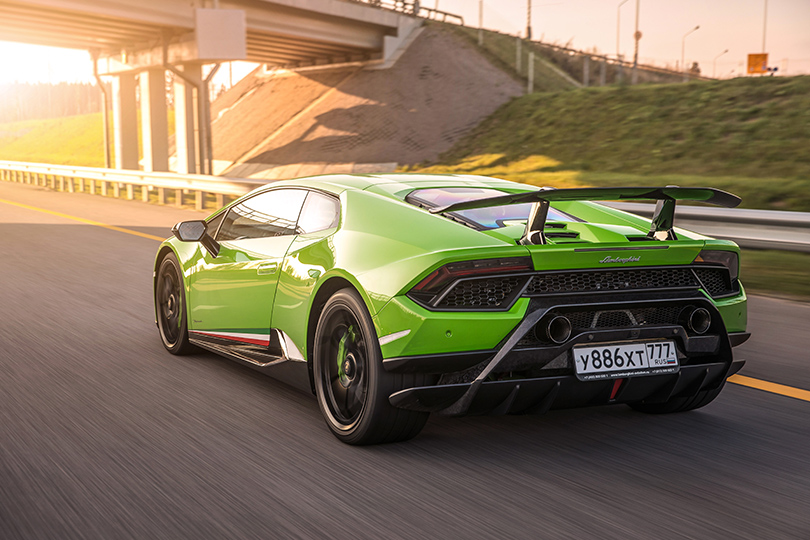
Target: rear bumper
[[526, 374], [536, 396], [449, 362]]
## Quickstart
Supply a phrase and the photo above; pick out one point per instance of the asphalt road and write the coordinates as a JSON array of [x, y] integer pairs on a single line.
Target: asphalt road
[[105, 435]]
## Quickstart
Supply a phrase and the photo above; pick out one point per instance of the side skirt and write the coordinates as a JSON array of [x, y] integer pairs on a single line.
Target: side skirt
[[278, 362]]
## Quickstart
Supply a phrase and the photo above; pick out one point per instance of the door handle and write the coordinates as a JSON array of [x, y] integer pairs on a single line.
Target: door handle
[[266, 269]]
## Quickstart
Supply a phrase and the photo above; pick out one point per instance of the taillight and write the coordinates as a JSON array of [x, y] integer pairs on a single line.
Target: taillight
[[448, 273], [729, 259]]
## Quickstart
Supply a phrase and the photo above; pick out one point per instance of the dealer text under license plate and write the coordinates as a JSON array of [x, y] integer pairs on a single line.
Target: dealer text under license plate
[[614, 360]]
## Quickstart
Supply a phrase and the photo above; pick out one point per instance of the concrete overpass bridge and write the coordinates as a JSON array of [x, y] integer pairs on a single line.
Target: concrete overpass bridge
[[135, 43]]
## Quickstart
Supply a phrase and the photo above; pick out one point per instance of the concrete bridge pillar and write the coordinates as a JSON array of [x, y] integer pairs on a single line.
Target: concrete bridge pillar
[[125, 121], [186, 120], [154, 120]]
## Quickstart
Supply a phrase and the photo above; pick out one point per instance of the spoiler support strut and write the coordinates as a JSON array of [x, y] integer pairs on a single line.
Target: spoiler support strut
[[663, 221], [533, 235]]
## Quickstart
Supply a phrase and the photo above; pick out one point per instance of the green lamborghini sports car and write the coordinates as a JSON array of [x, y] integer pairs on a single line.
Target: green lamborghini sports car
[[393, 296]]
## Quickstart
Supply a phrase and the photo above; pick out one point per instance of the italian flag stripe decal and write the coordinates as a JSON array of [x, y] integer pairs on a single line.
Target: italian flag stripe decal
[[254, 339]]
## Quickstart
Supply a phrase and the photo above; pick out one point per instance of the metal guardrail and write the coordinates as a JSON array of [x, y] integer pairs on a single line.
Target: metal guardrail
[[118, 182], [608, 59], [760, 229], [623, 63], [757, 229]]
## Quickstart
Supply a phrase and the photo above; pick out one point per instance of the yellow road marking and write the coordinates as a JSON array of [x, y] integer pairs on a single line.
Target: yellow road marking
[[773, 388], [87, 221]]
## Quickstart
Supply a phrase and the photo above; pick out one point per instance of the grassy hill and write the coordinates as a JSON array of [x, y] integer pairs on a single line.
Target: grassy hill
[[750, 136], [71, 140]]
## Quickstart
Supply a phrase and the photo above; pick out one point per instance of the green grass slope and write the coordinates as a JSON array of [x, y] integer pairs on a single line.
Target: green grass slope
[[750, 136], [71, 140]]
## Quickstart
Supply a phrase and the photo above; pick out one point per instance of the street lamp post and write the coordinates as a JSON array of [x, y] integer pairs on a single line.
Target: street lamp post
[[764, 25], [637, 38], [714, 62], [480, 23], [529, 20], [618, 21], [683, 50]]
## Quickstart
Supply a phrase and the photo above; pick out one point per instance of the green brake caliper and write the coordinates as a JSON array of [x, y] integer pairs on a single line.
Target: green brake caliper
[[342, 354]]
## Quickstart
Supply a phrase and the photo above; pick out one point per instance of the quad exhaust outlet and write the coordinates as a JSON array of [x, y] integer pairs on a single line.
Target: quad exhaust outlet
[[557, 330], [699, 320]]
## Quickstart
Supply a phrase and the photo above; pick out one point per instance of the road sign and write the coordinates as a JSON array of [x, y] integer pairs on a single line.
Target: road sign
[[757, 63]]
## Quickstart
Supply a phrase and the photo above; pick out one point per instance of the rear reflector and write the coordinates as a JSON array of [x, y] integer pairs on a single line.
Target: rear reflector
[[616, 385]]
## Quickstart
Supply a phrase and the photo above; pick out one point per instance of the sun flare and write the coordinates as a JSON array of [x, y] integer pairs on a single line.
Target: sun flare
[[24, 63]]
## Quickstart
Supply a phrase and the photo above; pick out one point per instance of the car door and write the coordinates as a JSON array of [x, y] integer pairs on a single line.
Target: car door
[[310, 256], [232, 294]]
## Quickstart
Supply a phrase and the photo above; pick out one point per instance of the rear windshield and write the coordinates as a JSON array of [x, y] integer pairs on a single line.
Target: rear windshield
[[482, 218]]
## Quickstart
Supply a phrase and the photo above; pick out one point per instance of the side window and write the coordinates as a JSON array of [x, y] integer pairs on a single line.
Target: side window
[[320, 212], [272, 213]]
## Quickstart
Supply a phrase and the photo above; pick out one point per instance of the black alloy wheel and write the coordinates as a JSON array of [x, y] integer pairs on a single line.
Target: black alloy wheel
[[344, 378], [170, 307], [351, 385]]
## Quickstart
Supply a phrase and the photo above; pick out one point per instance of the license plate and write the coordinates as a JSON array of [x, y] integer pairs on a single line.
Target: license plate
[[616, 360]]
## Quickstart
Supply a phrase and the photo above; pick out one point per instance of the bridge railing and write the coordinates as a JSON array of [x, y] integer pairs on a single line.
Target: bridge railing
[[160, 186], [760, 229], [414, 8]]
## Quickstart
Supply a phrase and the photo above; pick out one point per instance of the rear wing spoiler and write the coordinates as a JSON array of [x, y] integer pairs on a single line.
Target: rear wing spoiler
[[662, 222]]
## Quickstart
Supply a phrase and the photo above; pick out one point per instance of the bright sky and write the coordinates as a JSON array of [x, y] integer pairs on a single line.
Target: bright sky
[[20, 62], [736, 25]]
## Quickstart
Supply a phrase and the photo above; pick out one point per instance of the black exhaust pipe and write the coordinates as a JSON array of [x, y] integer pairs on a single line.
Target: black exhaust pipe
[[557, 330], [700, 320]]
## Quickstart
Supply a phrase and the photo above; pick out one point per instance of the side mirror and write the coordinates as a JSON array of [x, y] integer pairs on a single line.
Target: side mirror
[[196, 231], [190, 231]]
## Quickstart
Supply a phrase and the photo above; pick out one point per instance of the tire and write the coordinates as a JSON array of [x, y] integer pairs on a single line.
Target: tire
[[351, 385], [170, 307], [682, 404]]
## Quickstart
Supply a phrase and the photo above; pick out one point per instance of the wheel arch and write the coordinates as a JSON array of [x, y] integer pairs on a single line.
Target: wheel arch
[[325, 291], [164, 250]]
